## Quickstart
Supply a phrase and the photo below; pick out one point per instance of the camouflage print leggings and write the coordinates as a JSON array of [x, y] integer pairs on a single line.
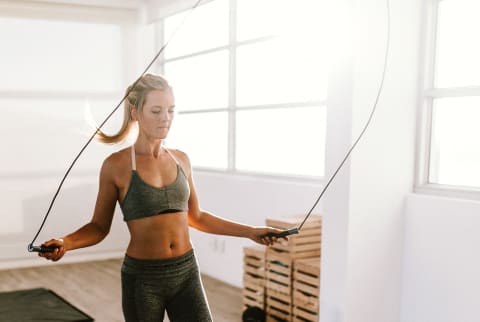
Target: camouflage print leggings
[[149, 287]]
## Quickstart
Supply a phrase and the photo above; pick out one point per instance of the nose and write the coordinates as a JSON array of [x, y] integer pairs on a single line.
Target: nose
[[165, 116]]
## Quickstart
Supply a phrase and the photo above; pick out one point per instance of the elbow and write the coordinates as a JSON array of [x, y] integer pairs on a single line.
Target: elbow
[[195, 220], [104, 233], [101, 231]]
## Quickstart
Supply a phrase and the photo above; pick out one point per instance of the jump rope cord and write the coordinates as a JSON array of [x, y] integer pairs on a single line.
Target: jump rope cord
[[380, 88], [30, 246]]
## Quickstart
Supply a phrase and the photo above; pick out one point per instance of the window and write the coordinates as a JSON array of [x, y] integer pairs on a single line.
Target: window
[[250, 82], [452, 95], [56, 75], [57, 55]]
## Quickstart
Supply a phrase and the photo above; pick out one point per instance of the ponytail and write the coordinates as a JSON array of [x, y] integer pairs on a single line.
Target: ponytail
[[135, 100]]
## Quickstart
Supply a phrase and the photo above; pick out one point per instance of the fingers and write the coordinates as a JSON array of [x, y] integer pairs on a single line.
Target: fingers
[[58, 251], [268, 240], [53, 256], [267, 236], [278, 233]]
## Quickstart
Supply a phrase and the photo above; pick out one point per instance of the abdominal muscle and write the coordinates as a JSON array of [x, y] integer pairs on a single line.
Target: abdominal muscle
[[159, 237]]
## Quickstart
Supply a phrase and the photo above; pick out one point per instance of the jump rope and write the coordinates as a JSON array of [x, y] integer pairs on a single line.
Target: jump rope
[[291, 231]]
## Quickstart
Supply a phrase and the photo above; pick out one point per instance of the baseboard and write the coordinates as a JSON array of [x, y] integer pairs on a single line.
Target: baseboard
[[69, 258]]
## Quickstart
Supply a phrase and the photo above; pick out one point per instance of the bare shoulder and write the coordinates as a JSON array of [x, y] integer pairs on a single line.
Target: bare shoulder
[[182, 158], [115, 162], [180, 155]]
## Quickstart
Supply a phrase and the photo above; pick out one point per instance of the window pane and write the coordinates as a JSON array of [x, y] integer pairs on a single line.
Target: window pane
[[205, 28], [458, 48], [273, 72], [259, 18], [60, 55], [49, 133], [200, 82], [204, 137], [282, 141], [455, 146]]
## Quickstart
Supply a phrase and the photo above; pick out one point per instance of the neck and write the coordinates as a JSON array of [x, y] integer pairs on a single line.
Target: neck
[[153, 148]]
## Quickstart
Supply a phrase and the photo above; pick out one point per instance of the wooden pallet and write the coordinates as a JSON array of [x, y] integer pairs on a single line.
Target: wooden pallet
[[278, 306], [306, 289], [314, 221], [302, 315], [254, 276], [254, 261], [256, 251], [279, 271], [303, 245], [253, 295]]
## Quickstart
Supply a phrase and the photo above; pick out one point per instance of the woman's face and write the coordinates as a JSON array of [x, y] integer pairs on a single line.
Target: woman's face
[[156, 116]]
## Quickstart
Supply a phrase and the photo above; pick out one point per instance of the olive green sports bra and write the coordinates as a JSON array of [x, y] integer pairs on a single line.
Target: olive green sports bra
[[144, 200]]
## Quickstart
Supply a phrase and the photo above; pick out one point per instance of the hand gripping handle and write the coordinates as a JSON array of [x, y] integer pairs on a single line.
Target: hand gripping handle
[[284, 233], [41, 249]]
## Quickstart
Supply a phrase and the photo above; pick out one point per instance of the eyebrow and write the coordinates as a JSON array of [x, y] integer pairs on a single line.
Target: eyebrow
[[159, 106]]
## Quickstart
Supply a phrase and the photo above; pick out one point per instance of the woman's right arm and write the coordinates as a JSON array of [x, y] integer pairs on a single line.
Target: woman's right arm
[[99, 226]]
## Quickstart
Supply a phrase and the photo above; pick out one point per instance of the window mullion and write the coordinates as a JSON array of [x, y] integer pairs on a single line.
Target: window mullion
[[430, 81], [426, 103], [453, 92], [159, 41], [232, 40]]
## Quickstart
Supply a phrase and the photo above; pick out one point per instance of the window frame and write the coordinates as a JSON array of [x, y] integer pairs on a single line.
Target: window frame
[[232, 107], [427, 95]]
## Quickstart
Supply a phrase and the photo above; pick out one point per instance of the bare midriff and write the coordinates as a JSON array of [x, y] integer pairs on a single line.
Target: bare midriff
[[159, 236]]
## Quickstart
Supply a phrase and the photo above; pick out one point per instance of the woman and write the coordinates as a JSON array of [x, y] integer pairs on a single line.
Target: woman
[[154, 187]]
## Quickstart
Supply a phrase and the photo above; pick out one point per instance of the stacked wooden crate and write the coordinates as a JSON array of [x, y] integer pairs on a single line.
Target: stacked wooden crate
[[281, 259], [306, 289], [278, 305], [254, 277]]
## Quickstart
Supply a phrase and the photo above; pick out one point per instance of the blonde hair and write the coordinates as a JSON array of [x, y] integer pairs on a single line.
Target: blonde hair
[[135, 99]]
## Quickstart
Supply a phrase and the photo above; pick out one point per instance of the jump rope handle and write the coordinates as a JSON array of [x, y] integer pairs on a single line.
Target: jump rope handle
[[41, 249], [284, 233]]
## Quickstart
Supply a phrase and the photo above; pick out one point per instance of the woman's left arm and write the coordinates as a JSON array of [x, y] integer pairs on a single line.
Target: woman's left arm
[[209, 223]]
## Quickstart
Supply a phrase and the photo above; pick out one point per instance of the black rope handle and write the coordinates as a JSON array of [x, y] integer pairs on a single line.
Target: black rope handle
[[32, 248]]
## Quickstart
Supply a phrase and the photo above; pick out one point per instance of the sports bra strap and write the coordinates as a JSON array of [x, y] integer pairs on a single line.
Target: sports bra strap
[[171, 154], [134, 162]]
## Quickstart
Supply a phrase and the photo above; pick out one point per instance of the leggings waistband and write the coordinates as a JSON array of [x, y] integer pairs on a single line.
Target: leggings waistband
[[159, 263]]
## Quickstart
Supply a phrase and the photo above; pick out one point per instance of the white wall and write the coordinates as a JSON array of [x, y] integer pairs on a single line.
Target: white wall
[[363, 213], [39, 141], [248, 200], [26, 200], [442, 261]]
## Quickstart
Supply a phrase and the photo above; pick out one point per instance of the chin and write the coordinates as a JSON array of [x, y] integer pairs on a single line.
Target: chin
[[162, 134]]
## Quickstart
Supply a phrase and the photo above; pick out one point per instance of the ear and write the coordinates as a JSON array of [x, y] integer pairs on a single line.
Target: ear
[[134, 114]]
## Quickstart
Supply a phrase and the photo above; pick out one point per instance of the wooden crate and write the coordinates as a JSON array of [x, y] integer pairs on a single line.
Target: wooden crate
[[278, 306], [279, 271], [254, 261], [253, 295], [302, 315], [307, 243], [306, 289], [254, 276]]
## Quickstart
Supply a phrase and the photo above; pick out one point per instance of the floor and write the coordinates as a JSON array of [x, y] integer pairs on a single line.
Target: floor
[[94, 288]]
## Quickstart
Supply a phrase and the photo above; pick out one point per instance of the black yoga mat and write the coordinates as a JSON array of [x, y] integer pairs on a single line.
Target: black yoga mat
[[38, 304]]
